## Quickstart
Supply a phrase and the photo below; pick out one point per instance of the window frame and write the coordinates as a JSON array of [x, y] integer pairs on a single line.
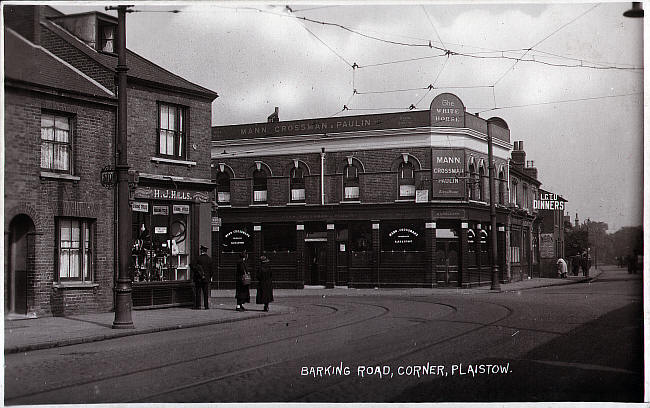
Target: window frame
[[296, 182], [181, 123], [255, 187], [221, 175], [405, 181], [101, 24], [70, 117], [84, 224], [351, 182]]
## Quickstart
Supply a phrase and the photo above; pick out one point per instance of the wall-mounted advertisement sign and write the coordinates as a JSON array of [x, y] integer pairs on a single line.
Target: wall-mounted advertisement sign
[[160, 230], [548, 201], [447, 166], [546, 246], [160, 210], [402, 237], [181, 209], [139, 206], [171, 194], [236, 238]]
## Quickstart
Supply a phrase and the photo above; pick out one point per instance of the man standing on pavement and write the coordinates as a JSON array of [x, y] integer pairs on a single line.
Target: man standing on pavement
[[561, 268], [202, 276]]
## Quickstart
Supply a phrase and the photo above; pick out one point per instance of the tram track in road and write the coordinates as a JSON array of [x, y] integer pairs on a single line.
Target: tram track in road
[[333, 310]]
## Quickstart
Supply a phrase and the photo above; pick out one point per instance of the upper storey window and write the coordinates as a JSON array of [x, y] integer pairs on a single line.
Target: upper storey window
[[406, 180], [107, 37], [56, 143], [297, 180], [351, 182], [172, 137], [259, 187]]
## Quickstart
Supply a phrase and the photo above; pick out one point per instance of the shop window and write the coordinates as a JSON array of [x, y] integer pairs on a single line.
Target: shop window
[[351, 182], [236, 238], [360, 236], [297, 182], [398, 236], [75, 250], [161, 247], [259, 187], [279, 237], [406, 180], [515, 246], [223, 188], [172, 140], [56, 143], [471, 247]]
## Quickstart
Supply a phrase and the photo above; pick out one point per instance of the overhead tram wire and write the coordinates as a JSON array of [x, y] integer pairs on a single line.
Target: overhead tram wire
[[432, 26], [541, 41], [556, 102]]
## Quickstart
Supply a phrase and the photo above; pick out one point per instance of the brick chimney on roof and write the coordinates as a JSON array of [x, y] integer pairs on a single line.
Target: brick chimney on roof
[[518, 155], [274, 117]]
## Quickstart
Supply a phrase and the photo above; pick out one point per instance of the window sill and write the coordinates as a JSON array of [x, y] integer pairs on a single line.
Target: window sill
[[405, 200], [222, 205], [296, 203], [59, 176], [173, 161], [351, 202], [259, 205], [75, 285]]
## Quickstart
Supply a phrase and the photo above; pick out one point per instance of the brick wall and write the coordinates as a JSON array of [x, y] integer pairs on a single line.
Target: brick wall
[[42, 199]]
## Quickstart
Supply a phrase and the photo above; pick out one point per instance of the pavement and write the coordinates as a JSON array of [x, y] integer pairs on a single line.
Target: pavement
[[22, 335]]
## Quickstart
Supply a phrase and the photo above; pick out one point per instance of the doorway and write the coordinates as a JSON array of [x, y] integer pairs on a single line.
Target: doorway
[[316, 256], [18, 262], [447, 262]]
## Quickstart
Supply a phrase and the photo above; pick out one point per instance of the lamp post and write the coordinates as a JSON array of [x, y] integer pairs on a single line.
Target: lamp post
[[493, 213], [123, 289]]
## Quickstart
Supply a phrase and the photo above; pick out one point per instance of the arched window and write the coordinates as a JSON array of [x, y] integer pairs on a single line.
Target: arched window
[[471, 188], [502, 188], [297, 181], [259, 186], [223, 188], [406, 180], [481, 184], [350, 182], [515, 195]]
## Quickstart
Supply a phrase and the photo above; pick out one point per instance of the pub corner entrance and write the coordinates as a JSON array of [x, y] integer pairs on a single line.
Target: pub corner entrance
[[316, 265]]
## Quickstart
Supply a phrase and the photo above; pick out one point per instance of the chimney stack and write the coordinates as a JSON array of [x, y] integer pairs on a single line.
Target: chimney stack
[[274, 117], [518, 155]]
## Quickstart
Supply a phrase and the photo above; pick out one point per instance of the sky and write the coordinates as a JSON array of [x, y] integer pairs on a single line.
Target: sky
[[574, 97]]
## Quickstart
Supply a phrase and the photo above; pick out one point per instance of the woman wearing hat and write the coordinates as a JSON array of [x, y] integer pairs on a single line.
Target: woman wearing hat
[[265, 288], [242, 283]]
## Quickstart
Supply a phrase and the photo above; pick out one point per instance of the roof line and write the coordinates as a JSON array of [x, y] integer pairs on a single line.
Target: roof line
[[66, 64]]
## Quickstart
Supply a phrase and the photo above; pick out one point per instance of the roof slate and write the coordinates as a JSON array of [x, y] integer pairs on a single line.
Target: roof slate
[[29, 63], [139, 67]]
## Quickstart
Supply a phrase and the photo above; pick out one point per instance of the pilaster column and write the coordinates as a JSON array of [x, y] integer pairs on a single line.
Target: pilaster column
[[331, 256], [257, 248], [430, 242], [463, 273], [376, 251], [301, 266]]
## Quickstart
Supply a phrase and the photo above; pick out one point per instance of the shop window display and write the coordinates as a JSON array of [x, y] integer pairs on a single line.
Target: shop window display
[[162, 247]]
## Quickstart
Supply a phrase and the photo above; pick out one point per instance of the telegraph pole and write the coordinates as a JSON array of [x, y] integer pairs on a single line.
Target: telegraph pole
[[493, 214], [123, 288]]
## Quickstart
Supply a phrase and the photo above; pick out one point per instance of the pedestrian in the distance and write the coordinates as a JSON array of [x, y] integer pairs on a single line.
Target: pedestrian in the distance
[[585, 264], [575, 264], [242, 283], [561, 268], [265, 289], [202, 275]]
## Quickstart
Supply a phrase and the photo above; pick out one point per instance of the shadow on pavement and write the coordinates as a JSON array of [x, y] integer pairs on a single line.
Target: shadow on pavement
[[599, 361]]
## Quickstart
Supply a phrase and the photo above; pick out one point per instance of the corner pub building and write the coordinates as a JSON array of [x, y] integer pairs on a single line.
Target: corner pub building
[[384, 200]]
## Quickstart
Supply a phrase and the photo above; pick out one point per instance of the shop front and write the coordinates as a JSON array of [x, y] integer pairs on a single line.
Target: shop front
[[166, 238]]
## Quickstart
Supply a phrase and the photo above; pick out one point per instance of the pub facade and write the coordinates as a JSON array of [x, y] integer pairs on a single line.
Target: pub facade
[[387, 200]]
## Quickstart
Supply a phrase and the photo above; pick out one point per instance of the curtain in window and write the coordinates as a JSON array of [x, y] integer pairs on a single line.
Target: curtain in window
[[55, 142], [167, 129], [69, 252]]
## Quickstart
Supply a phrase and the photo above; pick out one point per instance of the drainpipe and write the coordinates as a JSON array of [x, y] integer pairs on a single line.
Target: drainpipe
[[322, 176]]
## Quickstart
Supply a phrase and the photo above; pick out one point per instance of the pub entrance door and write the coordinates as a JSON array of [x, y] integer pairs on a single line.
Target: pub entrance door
[[316, 256], [447, 262]]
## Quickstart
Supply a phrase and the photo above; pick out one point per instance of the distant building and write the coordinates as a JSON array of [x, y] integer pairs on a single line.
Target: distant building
[[552, 221]]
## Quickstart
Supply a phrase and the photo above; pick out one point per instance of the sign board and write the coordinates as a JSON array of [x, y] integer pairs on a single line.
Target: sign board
[[546, 246], [447, 110], [171, 194], [215, 223], [160, 230], [421, 196], [139, 206], [180, 209], [447, 167], [160, 210], [108, 177]]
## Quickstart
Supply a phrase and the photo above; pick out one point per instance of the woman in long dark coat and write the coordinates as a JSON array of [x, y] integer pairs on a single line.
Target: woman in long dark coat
[[242, 293], [265, 289]]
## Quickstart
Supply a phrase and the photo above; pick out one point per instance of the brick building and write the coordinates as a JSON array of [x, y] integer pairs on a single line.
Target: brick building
[[59, 124], [551, 216], [398, 199], [168, 137], [523, 226]]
